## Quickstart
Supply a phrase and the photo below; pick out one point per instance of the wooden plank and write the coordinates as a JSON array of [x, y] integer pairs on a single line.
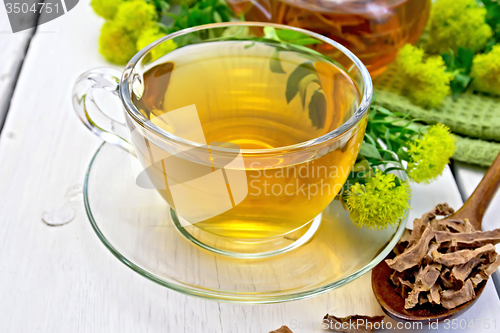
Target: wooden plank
[[63, 279], [468, 177], [13, 48]]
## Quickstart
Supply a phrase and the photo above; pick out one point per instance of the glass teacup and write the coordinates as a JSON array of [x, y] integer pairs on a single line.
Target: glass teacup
[[246, 132]]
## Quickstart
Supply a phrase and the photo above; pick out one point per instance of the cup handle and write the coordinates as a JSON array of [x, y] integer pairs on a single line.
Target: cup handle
[[107, 128]]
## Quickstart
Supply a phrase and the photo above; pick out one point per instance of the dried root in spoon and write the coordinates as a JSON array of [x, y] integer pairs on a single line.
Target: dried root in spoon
[[442, 261]]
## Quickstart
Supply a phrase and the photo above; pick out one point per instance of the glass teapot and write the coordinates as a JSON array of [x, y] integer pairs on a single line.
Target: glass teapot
[[374, 30]]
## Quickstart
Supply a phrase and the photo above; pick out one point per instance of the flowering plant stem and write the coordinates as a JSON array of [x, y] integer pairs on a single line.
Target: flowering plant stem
[[373, 194]]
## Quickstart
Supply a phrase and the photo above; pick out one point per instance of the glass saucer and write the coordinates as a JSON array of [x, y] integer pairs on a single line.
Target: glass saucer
[[135, 224]]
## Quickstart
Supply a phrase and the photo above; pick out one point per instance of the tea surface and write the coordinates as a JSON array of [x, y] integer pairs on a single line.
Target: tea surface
[[243, 97]]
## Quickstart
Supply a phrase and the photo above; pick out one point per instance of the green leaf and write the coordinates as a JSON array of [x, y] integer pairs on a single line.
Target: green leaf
[[197, 13], [459, 84], [387, 139], [294, 37], [304, 83], [403, 154], [464, 57], [369, 150], [317, 109], [305, 41], [493, 20], [270, 33], [162, 6], [463, 80], [308, 52], [383, 111], [448, 60], [362, 165], [217, 17], [292, 84], [275, 63], [371, 139], [459, 65], [286, 35]]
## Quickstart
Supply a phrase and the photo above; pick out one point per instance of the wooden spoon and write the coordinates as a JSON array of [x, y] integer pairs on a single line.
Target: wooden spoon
[[473, 209]]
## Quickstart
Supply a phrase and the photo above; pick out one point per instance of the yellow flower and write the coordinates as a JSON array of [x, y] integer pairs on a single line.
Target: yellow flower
[[486, 71], [135, 16], [381, 201], [425, 81], [430, 154], [106, 8], [152, 34], [116, 44], [458, 23]]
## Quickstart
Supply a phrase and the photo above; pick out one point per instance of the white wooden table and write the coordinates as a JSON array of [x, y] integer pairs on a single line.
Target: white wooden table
[[62, 279]]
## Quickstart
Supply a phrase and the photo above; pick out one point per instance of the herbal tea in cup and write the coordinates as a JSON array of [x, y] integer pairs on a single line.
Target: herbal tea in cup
[[248, 138]]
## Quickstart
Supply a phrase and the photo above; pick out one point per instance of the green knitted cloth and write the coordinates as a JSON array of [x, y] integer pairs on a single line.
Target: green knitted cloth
[[473, 115], [476, 151]]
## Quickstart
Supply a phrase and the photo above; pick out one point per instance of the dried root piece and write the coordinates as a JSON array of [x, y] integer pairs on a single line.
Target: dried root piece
[[490, 257], [282, 329], [452, 246], [443, 209], [404, 287], [457, 226], [352, 324], [468, 226], [414, 254], [405, 238], [423, 298], [424, 281], [462, 256], [433, 246], [428, 276], [416, 233], [396, 277], [436, 226], [447, 279], [462, 272], [495, 264], [420, 224], [470, 239], [485, 271], [434, 294], [413, 298], [452, 298], [441, 261], [403, 242]]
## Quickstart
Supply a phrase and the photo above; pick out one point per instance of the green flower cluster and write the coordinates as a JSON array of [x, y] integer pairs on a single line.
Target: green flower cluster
[[133, 24], [374, 196], [425, 80], [106, 8], [430, 154], [126, 23], [152, 34], [486, 71], [465, 33], [378, 201], [115, 44], [458, 23]]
